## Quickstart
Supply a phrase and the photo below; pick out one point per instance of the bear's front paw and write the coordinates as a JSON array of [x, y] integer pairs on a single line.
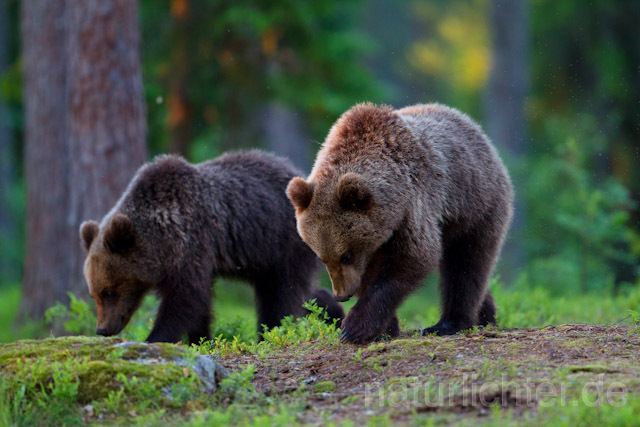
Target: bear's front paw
[[443, 328], [357, 331]]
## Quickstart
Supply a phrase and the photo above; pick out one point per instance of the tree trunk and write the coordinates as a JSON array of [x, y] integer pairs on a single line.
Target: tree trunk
[[505, 102], [84, 132]]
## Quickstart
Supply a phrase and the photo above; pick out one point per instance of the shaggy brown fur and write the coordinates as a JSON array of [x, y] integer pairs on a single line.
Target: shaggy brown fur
[[178, 225], [394, 195]]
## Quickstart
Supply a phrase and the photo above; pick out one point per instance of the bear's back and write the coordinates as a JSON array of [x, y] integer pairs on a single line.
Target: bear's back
[[247, 194], [250, 165], [449, 131], [474, 176], [164, 186]]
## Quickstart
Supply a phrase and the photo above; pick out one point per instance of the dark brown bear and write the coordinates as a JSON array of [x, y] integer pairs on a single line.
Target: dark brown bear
[[178, 226], [394, 195]]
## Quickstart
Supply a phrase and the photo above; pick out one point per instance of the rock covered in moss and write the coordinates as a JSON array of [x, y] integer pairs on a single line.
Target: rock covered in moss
[[96, 368], [205, 366]]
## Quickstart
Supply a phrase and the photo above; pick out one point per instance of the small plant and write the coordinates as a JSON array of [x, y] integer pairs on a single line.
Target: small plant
[[237, 387], [42, 392], [635, 318], [146, 392], [77, 319], [314, 326], [113, 401], [241, 328]]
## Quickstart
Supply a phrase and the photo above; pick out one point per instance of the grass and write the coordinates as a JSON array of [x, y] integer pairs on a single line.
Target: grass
[[582, 371], [9, 303]]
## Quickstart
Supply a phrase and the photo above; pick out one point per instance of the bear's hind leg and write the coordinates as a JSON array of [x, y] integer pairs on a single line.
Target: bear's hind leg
[[276, 298], [200, 330], [487, 315], [393, 327], [465, 269]]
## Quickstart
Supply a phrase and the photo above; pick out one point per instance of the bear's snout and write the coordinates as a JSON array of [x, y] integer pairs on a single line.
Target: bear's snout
[[102, 331], [343, 298]]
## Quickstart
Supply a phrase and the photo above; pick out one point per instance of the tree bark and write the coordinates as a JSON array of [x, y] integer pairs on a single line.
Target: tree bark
[[505, 102], [84, 132]]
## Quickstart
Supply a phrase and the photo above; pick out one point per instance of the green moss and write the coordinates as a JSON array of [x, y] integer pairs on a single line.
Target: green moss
[[375, 347], [403, 380], [324, 386], [164, 350], [71, 371], [351, 399], [597, 369], [56, 349], [99, 377]]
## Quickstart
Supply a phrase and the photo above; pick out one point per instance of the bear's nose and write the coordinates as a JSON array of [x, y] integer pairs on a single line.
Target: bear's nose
[[343, 298], [101, 331]]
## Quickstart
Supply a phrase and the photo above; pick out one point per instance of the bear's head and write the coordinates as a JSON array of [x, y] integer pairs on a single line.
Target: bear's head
[[116, 272], [340, 220]]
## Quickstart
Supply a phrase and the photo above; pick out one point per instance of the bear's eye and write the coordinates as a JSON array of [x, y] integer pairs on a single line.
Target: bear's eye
[[346, 258], [108, 294]]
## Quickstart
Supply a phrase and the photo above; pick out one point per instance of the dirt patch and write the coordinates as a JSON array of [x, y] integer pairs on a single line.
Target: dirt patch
[[450, 377]]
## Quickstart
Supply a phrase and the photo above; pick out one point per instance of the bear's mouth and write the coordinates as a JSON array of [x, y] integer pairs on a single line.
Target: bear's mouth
[[344, 298]]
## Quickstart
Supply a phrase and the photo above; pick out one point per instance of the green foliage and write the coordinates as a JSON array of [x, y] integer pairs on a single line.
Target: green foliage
[[10, 330], [591, 410], [313, 327], [452, 56], [527, 306], [238, 327], [142, 320], [12, 203], [238, 386], [48, 382], [227, 60], [635, 317], [578, 230], [28, 398], [77, 319]]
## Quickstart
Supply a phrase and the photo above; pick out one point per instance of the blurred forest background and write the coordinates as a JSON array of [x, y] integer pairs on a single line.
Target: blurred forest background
[[90, 89]]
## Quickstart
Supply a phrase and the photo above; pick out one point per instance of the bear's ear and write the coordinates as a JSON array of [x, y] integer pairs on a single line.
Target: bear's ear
[[300, 193], [119, 236], [88, 231], [353, 193]]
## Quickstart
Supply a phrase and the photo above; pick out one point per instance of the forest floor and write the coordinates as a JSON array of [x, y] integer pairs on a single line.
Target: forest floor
[[571, 374], [518, 375]]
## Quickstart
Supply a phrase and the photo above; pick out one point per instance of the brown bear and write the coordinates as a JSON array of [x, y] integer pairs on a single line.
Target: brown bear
[[177, 226], [394, 195]]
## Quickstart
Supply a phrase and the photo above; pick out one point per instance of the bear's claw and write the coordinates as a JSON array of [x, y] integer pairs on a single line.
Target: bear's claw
[[442, 328], [357, 337]]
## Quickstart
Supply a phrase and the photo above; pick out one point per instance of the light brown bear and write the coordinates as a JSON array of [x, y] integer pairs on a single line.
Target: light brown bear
[[394, 195]]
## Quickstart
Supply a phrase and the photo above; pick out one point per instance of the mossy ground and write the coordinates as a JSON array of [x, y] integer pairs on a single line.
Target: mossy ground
[[516, 376], [570, 374], [65, 380]]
